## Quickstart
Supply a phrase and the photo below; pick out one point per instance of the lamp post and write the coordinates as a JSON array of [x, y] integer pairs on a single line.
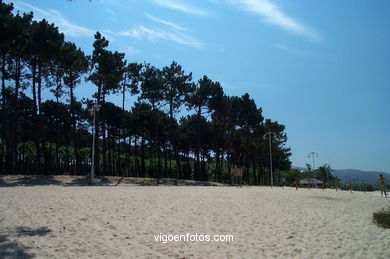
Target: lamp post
[[313, 155], [327, 176], [270, 134], [92, 111]]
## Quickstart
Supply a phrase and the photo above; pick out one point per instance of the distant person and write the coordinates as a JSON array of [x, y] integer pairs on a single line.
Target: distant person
[[297, 182], [382, 184]]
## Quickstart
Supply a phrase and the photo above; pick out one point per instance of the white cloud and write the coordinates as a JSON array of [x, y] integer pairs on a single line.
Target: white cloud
[[283, 47], [140, 32], [161, 21], [294, 51], [54, 16], [244, 85], [273, 15], [175, 33], [109, 2], [180, 6], [113, 14], [131, 50], [110, 11], [109, 35]]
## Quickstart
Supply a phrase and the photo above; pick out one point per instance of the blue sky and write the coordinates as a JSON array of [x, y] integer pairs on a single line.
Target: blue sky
[[319, 67]]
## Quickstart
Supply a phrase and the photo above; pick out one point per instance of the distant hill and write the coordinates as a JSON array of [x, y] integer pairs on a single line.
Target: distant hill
[[357, 176], [367, 176]]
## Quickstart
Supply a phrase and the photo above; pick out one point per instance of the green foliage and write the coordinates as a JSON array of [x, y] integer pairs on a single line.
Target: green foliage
[[85, 154], [66, 153], [28, 151], [218, 132], [152, 86]]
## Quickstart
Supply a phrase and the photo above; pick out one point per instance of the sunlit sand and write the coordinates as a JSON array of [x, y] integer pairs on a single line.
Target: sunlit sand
[[121, 221]]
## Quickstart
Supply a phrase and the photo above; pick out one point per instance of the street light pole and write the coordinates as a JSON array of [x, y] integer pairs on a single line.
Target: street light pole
[[313, 154], [93, 111], [270, 134]]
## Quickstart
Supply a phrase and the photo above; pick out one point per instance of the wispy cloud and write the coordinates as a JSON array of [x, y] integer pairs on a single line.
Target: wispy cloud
[[294, 51], [113, 14], [272, 14], [109, 35], [283, 47], [180, 6], [110, 11], [168, 23], [131, 50], [110, 2], [153, 35], [54, 16], [244, 85], [173, 32]]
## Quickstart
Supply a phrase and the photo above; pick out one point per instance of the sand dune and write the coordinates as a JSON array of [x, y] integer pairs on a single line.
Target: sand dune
[[121, 221]]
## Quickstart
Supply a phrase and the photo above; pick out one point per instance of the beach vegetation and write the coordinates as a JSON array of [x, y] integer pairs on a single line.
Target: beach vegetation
[[382, 218]]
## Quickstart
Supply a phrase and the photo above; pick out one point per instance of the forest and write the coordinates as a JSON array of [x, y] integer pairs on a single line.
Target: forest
[[146, 138]]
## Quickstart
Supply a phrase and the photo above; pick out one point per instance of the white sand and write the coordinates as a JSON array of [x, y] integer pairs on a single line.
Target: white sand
[[120, 221]]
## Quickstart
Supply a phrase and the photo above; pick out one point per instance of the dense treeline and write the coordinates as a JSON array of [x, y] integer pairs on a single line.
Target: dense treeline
[[54, 136]]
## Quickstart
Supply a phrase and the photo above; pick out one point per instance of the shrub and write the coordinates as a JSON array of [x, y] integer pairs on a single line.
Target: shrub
[[382, 218]]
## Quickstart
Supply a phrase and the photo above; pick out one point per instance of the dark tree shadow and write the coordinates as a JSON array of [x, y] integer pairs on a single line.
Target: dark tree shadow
[[42, 180], [26, 231], [175, 182], [85, 181], [30, 180], [11, 248], [82, 181]]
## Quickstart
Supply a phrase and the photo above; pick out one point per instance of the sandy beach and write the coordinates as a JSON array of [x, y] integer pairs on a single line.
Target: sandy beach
[[69, 221]]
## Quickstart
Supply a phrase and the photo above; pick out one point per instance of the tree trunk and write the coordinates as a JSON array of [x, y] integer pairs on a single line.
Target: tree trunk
[[14, 122], [67, 152], [179, 171], [136, 156], [56, 134], [104, 149], [129, 157], [123, 94], [217, 166], [4, 137], [34, 87], [3, 74], [170, 137], [229, 166], [254, 173], [39, 89], [159, 165], [74, 129], [197, 163], [97, 131], [40, 126], [143, 170], [165, 162]]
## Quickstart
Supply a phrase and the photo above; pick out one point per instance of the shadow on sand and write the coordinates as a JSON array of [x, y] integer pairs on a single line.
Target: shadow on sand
[[28, 180], [9, 246], [40, 180], [71, 180]]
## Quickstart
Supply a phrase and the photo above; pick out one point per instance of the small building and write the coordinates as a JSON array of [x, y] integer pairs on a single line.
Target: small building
[[311, 181]]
